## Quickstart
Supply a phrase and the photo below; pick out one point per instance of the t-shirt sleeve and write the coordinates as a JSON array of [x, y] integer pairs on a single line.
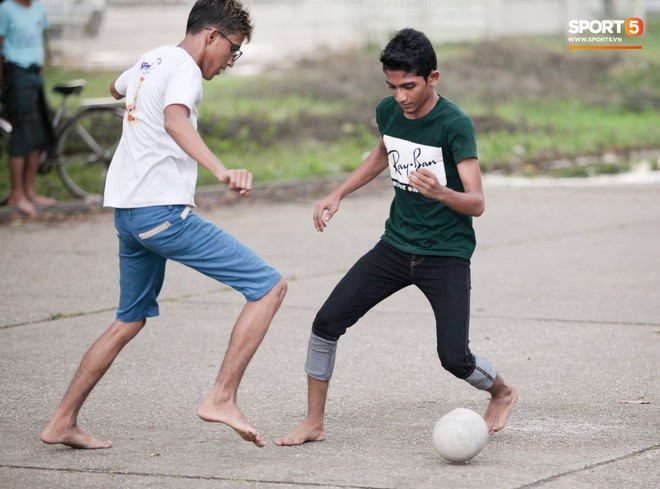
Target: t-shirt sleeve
[[44, 19], [184, 84], [462, 139], [121, 83], [380, 114]]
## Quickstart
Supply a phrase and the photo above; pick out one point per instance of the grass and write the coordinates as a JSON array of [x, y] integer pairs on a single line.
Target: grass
[[549, 131], [539, 109]]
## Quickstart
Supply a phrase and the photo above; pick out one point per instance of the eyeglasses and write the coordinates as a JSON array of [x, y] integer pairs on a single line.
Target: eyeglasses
[[235, 48]]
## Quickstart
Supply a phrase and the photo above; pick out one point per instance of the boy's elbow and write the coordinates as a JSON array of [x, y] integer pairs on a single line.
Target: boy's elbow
[[170, 125], [480, 208], [115, 94]]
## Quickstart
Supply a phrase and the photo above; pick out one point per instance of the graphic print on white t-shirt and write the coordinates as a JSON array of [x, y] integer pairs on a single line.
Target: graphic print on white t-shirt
[[405, 157], [145, 69]]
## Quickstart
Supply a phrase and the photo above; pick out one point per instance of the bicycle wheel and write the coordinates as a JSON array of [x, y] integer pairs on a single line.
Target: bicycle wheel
[[5, 172], [85, 148]]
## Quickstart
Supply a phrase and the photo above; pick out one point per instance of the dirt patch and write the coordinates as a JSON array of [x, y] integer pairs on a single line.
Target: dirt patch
[[492, 72]]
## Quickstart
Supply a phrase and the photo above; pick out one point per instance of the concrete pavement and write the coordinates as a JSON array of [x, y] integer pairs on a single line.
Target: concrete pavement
[[566, 280]]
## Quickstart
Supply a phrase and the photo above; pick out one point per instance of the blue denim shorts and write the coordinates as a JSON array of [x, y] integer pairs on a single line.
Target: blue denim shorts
[[149, 236]]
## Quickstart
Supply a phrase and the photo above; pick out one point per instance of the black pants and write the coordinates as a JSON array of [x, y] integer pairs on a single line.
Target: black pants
[[445, 281]]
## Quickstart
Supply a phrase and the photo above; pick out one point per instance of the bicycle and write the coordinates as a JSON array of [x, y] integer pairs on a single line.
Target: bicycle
[[86, 140]]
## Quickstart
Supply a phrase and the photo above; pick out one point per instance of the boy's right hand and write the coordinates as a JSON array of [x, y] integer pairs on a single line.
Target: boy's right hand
[[324, 210], [237, 180]]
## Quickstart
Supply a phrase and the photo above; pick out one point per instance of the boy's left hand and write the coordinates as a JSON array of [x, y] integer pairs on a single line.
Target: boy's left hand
[[426, 182], [237, 180]]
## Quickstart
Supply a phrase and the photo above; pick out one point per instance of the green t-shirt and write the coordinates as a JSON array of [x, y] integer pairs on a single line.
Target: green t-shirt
[[437, 141]]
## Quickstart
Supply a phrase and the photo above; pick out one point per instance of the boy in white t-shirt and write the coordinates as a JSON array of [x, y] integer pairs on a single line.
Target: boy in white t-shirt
[[151, 186]]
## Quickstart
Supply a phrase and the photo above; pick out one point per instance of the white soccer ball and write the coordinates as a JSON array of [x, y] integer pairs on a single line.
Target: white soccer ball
[[460, 435]]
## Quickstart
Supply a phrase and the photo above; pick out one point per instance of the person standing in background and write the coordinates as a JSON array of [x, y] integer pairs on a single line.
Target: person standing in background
[[22, 26]]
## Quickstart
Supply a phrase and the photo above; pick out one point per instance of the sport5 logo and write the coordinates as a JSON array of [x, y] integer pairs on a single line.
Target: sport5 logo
[[632, 26]]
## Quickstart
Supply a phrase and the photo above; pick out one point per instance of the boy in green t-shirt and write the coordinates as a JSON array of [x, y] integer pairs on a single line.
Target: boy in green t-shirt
[[429, 145]]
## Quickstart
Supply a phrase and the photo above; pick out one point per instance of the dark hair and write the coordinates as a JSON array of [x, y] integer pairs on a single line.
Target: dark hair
[[229, 16], [409, 51]]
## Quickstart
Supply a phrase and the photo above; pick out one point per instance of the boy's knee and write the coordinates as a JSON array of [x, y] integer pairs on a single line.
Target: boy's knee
[[281, 288], [278, 291], [325, 325], [125, 332]]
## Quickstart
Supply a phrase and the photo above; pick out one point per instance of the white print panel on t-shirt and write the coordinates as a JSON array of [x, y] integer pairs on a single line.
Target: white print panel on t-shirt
[[405, 157]]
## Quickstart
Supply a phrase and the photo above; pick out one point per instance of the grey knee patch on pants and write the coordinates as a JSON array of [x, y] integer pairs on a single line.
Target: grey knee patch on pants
[[483, 375], [320, 358]]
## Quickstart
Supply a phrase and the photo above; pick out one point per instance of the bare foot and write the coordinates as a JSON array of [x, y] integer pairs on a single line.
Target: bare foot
[[25, 206], [72, 437], [230, 415], [305, 432], [43, 200], [500, 407]]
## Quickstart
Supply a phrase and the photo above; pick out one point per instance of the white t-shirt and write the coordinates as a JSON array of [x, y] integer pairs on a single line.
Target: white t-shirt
[[149, 168]]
